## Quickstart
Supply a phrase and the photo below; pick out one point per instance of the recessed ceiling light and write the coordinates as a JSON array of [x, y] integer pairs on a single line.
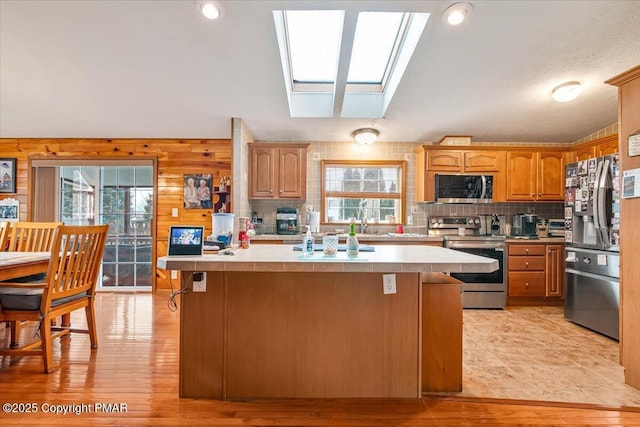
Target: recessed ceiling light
[[566, 91], [365, 136], [211, 9], [456, 13]]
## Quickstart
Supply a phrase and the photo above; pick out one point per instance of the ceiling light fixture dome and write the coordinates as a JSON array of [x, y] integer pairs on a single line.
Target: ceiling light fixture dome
[[456, 13], [211, 9], [365, 136], [566, 91]]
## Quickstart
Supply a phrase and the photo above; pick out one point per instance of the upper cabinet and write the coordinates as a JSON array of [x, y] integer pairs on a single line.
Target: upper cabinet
[[535, 176], [595, 148], [464, 161], [278, 171]]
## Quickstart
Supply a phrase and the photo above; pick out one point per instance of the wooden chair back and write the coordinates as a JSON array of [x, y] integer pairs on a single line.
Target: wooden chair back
[[4, 232], [28, 236]]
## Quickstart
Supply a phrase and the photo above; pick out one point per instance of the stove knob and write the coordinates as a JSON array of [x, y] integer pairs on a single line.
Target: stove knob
[[440, 221], [433, 220], [476, 221], [470, 221]]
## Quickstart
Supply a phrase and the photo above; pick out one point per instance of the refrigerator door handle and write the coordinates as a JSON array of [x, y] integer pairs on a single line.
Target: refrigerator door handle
[[602, 200], [596, 197]]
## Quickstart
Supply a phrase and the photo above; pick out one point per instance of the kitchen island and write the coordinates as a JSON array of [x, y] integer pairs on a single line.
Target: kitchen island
[[275, 324]]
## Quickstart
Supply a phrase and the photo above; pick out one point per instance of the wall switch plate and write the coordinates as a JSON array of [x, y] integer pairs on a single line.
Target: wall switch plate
[[409, 219], [174, 212], [199, 282], [389, 283], [316, 156], [174, 274], [407, 157], [414, 209]]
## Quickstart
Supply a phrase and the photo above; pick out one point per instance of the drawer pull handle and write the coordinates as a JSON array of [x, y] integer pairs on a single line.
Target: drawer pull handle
[[527, 264], [527, 285]]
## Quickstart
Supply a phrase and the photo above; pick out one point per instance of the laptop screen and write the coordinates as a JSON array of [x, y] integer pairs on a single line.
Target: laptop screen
[[185, 240]]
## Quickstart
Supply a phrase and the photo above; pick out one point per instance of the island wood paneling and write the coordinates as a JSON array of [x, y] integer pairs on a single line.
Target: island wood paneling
[[175, 158], [629, 123], [290, 334]]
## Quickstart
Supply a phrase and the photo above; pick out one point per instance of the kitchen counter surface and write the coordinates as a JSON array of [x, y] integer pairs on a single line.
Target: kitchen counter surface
[[367, 237], [545, 240], [385, 258]]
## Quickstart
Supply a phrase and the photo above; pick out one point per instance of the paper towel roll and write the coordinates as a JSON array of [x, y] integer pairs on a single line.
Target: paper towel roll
[[314, 222]]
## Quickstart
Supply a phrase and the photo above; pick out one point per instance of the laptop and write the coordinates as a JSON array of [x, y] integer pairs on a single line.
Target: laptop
[[185, 240]]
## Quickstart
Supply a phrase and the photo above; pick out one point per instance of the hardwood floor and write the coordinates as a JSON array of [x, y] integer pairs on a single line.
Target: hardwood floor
[[136, 365]]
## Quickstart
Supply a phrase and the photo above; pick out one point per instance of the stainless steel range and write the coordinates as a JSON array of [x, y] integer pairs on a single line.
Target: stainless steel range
[[479, 290]]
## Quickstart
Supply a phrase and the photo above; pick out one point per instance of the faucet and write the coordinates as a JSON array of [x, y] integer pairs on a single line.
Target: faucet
[[363, 219]]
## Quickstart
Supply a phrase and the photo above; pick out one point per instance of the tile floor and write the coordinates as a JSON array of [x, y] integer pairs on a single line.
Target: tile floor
[[533, 353]]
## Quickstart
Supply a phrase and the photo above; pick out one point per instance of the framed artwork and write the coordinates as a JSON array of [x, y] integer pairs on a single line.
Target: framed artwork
[[198, 191], [8, 175], [9, 210]]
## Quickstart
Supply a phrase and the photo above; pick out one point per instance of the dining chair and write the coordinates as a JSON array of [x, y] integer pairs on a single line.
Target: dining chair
[[70, 284]]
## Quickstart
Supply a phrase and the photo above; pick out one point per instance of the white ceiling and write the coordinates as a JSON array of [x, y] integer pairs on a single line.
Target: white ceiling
[[158, 69]]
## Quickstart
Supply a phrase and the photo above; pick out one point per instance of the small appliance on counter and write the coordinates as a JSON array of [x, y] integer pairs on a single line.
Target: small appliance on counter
[[556, 227], [525, 225], [287, 221]]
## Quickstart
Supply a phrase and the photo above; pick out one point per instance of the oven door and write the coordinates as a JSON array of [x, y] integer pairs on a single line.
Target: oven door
[[481, 281]]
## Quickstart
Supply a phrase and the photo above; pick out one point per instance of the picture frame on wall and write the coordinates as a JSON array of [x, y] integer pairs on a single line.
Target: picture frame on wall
[[198, 190], [8, 175]]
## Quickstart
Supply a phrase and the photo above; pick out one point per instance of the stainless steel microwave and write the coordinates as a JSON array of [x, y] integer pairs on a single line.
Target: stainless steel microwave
[[455, 188]]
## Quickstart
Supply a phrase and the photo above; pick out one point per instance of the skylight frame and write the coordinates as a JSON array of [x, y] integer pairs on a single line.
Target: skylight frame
[[391, 61], [311, 86]]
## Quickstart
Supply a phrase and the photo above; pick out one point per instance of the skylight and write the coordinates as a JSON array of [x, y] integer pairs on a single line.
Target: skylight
[[376, 40], [314, 44], [310, 43]]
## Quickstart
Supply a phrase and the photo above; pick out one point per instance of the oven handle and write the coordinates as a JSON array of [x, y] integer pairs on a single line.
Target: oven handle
[[456, 245]]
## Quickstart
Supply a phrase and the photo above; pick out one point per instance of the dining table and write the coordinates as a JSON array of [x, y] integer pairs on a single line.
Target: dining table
[[21, 264]]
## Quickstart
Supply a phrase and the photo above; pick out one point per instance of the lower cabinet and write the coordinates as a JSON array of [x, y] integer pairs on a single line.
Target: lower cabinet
[[535, 273]]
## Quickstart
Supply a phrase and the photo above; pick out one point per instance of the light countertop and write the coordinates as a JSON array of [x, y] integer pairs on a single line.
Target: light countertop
[[385, 259], [367, 237]]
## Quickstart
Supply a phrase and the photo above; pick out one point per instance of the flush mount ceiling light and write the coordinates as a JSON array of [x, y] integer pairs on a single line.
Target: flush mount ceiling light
[[211, 9], [566, 91], [365, 136], [456, 13]]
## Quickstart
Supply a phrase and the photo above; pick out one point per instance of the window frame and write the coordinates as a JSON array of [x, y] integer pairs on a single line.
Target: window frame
[[400, 195]]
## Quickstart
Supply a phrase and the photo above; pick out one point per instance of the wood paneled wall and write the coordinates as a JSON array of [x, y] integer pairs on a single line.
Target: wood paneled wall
[[175, 158], [629, 123]]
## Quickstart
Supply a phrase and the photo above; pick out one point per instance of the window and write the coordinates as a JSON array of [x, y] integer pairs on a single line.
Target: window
[[368, 190]]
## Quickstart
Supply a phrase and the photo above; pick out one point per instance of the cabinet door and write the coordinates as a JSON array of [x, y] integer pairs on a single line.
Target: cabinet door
[[444, 160], [555, 270], [521, 175], [585, 153], [292, 173], [550, 176], [482, 161], [262, 174], [610, 147]]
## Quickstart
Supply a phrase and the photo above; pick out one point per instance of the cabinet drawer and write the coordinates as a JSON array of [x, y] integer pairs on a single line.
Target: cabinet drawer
[[527, 263], [527, 250], [527, 284]]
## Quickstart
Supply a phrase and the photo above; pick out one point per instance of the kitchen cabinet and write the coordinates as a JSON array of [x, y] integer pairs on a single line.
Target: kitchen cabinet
[[464, 161], [607, 147], [278, 171], [535, 273], [595, 148], [584, 153], [535, 176]]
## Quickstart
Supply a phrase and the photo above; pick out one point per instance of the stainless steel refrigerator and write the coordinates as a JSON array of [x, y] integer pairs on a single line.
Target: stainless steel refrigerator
[[592, 235]]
